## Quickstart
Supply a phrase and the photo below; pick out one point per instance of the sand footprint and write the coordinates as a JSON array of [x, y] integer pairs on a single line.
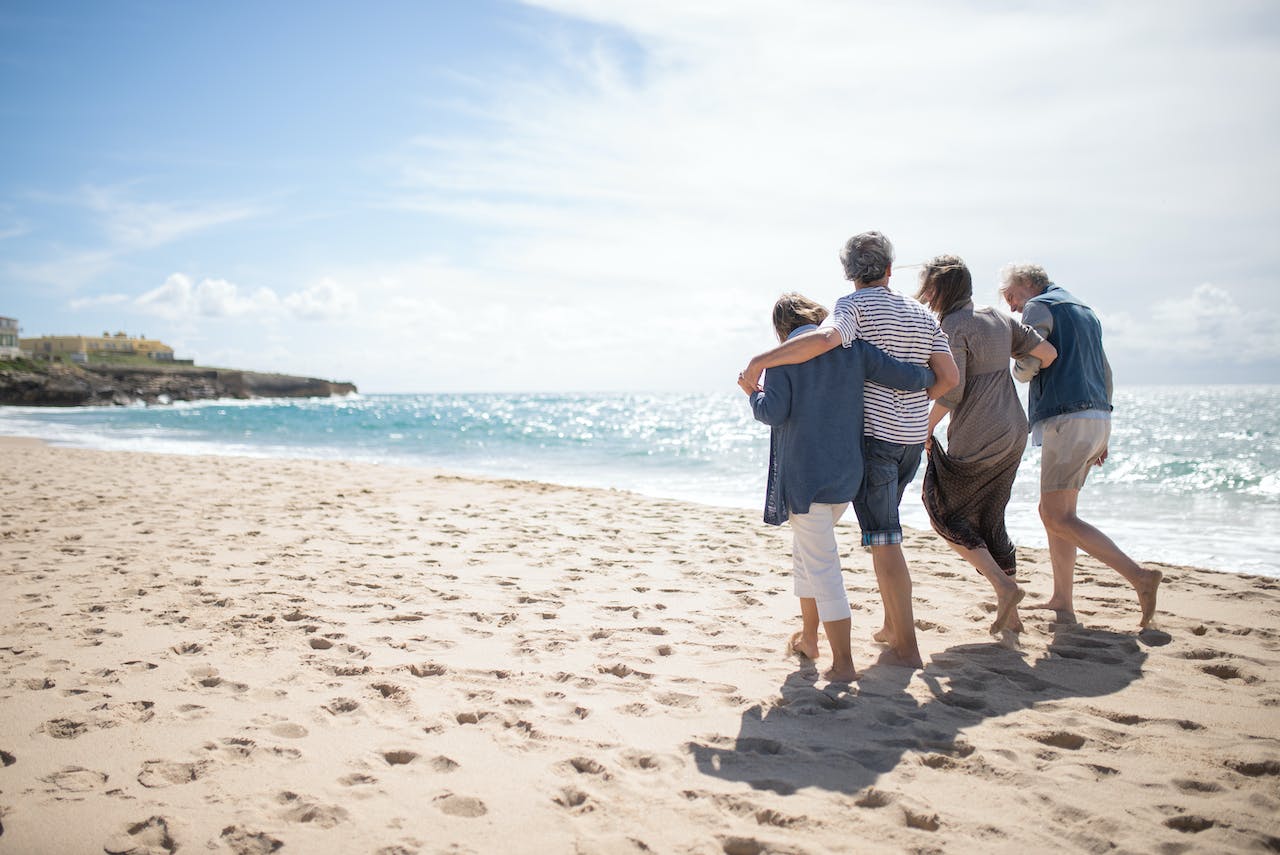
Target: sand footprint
[[921, 821], [133, 712], [464, 806], [443, 764], [1193, 786], [399, 757], [303, 810], [207, 678], [149, 837], [239, 749], [1061, 739], [427, 669], [64, 728], [873, 799], [241, 841], [642, 761], [1224, 671], [156, 774], [340, 706], [1189, 824], [1255, 768], [75, 779], [574, 800], [586, 766], [391, 692]]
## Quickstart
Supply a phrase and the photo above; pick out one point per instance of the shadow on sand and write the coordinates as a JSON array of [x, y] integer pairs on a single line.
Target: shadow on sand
[[845, 739]]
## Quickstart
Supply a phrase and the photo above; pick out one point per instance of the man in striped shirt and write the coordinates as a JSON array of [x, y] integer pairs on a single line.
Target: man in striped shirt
[[896, 423]]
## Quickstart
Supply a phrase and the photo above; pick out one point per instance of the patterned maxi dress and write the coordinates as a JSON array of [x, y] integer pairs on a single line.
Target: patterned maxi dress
[[967, 486]]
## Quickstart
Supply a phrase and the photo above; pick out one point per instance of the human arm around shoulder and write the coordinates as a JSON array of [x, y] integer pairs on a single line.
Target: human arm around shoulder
[[793, 351], [894, 373], [946, 372], [772, 405], [1038, 317]]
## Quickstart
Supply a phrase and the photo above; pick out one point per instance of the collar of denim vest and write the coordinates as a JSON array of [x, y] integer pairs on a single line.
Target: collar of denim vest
[[804, 329]]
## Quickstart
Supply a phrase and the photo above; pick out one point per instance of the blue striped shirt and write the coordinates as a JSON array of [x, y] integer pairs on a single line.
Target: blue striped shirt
[[905, 330]]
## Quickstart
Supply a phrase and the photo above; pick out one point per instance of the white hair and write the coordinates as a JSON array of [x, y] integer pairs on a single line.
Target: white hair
[[1033, 274]]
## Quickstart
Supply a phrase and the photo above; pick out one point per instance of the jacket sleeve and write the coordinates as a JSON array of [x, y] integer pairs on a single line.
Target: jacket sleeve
[[894, 373], [773, 405], [1039, 318]]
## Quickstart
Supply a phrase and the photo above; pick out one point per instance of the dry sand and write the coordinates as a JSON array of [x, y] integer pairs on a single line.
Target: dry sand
[[232, 655]]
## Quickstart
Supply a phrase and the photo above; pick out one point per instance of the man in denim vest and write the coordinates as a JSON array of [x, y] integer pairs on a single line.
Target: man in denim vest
[[1069, 408]]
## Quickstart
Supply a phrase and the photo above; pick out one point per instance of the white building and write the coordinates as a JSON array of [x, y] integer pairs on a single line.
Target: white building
[[9, 338]]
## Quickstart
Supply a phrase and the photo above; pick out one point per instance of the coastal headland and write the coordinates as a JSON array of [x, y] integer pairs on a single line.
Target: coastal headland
[[35, 383], [234, 655]]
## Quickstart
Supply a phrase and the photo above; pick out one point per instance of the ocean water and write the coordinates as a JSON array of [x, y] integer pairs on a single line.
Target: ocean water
[[1193, 475]]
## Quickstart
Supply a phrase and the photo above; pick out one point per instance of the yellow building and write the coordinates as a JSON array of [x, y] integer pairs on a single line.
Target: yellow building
[[79, 348]]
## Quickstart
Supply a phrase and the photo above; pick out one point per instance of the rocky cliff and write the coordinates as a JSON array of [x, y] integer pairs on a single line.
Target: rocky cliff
[[36, 384]]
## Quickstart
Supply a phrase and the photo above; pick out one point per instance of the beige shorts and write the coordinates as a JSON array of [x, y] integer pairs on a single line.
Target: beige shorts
[[1071, 447]]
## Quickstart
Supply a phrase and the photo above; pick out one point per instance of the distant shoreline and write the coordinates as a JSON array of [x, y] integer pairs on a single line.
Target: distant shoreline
[[33, 383]]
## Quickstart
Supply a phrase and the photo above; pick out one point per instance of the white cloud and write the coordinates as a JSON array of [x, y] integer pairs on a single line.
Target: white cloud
[[135, 225], [181, 298], [730, 148], [131, 227], [326, 300], [101, 300], [1208, 324]]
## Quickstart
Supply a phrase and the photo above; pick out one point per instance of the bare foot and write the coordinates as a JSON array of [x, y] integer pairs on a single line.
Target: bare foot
[[895, 659], [881, 635], [845, 674], [1006, 604], [1015, 623], [1147, 596], [1064, 617], [1052, 603], [807, 648]]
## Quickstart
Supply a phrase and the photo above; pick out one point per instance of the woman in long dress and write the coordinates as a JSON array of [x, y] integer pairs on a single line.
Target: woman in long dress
[[967, 485]]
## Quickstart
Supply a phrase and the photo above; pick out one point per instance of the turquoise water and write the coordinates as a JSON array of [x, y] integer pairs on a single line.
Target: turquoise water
[[1192, 476]]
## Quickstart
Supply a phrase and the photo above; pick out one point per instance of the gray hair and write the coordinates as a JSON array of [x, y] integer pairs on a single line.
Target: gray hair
[[866, 257], [1033, 274]]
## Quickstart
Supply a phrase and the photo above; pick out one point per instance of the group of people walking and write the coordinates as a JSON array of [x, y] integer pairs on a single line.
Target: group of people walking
[[847, 394]]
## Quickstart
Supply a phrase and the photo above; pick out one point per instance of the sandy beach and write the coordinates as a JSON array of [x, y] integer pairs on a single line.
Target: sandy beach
[[234, 655]]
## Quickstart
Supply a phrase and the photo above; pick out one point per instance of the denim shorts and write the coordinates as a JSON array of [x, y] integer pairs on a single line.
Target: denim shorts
[[887, 470]]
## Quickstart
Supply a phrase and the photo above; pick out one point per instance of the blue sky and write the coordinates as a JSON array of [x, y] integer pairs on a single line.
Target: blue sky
[[572, 195]]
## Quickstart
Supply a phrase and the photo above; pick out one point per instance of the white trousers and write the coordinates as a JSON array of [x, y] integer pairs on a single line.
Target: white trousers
[[817, 560]]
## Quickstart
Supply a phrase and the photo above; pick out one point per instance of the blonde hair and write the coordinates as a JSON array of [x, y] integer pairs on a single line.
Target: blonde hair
[[793, 311]]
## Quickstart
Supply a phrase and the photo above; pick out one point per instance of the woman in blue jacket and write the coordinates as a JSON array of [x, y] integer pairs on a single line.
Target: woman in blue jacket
[[815, 465]]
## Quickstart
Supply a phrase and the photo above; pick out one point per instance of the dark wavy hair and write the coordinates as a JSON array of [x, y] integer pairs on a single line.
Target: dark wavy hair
[[945, 284]]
